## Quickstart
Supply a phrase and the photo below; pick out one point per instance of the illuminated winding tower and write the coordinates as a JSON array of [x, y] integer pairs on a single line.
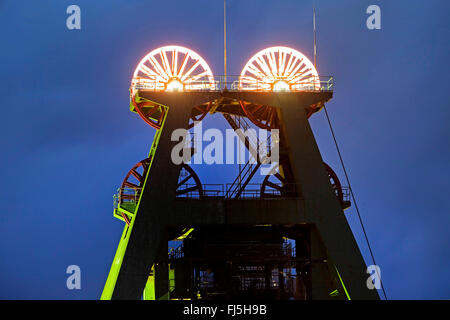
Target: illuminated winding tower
[[282, 235]]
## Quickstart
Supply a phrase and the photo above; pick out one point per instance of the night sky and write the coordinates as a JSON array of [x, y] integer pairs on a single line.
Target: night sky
[[68, 138]]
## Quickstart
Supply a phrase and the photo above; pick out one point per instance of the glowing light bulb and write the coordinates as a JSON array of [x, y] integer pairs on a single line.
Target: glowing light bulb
[[281, 85], [174, 85]]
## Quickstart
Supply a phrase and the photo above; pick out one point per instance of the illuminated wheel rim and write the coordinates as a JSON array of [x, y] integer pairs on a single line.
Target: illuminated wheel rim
[[131, 187], [189, 185], [188, 182], [279, 69], [173, 68]]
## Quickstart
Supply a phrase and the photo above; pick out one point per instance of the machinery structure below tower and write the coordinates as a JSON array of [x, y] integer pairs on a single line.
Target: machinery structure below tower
[[241, 261]]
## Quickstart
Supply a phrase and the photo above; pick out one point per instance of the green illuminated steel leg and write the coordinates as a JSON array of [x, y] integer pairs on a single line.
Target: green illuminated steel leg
[[155, 204], [149, 290], [108, 290]]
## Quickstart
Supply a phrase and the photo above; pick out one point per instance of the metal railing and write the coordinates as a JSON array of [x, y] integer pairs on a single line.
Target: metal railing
[[346, 194], [176, 252], [251, 191], [286, 248], [234, 83], [126, 195], [210, 190]]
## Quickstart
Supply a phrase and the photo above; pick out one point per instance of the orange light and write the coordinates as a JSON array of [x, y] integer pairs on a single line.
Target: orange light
[[281, 85], [174, 85], [279, 69], [160, 70]]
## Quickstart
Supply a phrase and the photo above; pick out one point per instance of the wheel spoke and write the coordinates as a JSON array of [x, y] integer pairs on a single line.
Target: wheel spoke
[[300, 73], [187, 190], [272, 63], [277, 64], [263, 64], [184, 181], [196, 64], [194, 78], [149, 72], [288, 66], [183, 64], [279, 177], [259, 75], [155, 64], [151, 111], [174, 62], [282, 62], [136, 175], [264, 114], [294, 72], [130, 185], [166, 63], [295, 62], [257, 108], [274, 186], [127, 196]]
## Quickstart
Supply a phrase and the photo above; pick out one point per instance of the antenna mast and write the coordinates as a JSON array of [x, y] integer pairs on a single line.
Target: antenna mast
[[315, 47], [225, 40]]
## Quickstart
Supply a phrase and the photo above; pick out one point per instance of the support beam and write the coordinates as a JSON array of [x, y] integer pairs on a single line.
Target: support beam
[[162, 270], [321, 205], [157, 200]]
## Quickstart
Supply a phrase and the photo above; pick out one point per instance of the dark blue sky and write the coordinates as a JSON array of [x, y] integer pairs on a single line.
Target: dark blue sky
[[68, 138]]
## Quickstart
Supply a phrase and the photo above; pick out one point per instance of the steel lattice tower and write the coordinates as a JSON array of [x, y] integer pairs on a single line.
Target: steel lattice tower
[[287, 239]]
